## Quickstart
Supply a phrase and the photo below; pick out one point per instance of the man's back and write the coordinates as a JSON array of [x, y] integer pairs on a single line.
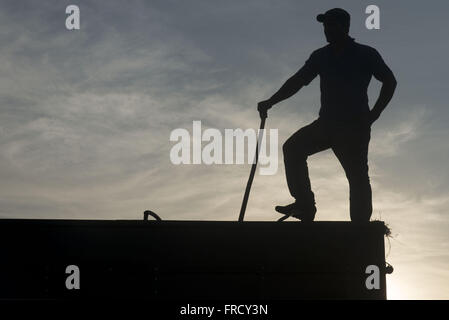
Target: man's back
[[344, 78]]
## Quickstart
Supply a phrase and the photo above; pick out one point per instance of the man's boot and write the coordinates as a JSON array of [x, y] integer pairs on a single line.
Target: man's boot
[[303, 213]]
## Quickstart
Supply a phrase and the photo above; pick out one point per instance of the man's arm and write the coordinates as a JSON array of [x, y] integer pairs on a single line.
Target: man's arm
[[386, 93], [384, 74], [301, 78], [289, 88]]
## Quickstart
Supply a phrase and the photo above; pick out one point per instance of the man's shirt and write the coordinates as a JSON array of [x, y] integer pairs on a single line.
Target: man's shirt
[[344, 78]]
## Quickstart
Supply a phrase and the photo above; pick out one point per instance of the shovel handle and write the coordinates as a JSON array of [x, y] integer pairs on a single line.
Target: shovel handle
[[263, 117]]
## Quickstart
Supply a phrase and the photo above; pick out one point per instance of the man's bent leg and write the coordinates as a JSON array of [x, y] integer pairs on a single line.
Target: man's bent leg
[[306, 141]]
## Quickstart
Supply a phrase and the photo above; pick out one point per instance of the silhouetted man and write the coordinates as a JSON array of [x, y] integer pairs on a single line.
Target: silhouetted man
[[345, 68]]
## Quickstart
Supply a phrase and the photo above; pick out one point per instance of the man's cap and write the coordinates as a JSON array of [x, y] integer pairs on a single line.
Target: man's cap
[[335, 15]]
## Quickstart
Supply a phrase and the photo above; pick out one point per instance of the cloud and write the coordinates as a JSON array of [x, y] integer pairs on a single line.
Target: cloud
[[389, 142]]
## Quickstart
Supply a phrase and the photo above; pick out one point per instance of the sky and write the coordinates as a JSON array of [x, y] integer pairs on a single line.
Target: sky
[[86, 115]]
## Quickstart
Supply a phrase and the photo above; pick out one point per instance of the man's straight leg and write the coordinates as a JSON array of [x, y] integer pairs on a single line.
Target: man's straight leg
[[303, 143], [350, 145]]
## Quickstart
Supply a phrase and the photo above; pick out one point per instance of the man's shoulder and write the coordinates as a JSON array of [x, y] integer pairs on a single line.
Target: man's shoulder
[[359, 46], [365, 49], [320, 51]]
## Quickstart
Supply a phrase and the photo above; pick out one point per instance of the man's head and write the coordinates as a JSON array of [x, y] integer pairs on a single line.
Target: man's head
[[336, 24]]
